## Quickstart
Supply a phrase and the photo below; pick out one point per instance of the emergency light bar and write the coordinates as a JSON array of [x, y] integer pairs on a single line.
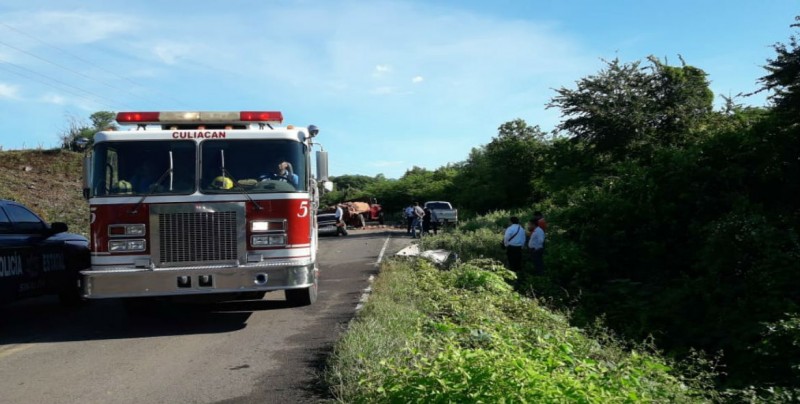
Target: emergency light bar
[[143, 118]]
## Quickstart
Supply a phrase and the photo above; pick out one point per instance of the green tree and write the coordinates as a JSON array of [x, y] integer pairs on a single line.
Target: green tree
[[628, 108], [499, 175], [79, 133], [103, 120], [783, 78]]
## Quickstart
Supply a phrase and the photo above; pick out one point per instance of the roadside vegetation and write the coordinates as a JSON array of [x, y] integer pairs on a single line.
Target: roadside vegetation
[[463, 335], [671, 221]]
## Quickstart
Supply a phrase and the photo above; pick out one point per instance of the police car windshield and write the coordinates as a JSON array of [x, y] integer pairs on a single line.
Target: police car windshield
[[134, 168], [252, 166]]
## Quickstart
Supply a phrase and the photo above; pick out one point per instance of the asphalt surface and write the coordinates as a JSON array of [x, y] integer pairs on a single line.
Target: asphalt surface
[[235, 352]]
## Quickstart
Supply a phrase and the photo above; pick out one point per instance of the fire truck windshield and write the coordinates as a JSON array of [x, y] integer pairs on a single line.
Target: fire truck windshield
[[252, 166], [134, 168]]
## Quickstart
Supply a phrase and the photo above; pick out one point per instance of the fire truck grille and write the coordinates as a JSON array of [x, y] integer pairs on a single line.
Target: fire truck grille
[[197, 237]]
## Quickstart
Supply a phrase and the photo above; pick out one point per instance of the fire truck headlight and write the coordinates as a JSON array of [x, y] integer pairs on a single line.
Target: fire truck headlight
[[126, 245], [268, 225], [135, 230], [260, 226], [268, 240]]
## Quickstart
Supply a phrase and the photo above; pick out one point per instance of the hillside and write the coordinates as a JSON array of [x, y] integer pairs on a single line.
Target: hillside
[[47, 181]]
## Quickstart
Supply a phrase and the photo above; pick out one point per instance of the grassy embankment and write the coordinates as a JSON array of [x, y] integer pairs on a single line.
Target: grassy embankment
[[47, 181], [464, 335]]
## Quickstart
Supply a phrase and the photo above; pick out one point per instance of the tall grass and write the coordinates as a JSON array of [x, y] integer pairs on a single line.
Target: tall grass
[[465, 336]]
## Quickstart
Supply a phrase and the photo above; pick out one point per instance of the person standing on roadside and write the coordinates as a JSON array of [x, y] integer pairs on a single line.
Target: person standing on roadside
[[341, 227], [513, 240], [409, 212], [434, 222], [426, 220], [538, 217], [536, 245], [418, 215]]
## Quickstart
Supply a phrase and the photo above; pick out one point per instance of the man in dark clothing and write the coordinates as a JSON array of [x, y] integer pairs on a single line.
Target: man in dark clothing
[[409, 212], [426, 221]]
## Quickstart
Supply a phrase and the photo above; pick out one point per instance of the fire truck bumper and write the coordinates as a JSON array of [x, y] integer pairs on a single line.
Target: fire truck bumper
[[113, 283]]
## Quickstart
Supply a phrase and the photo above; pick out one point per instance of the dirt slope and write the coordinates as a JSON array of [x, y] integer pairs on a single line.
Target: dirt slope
[[47, 181]]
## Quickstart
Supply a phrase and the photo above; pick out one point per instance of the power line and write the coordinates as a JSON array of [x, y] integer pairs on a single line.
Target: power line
[[29, 71], [58, 88], [73, 93], [87, 62], [73, 71]]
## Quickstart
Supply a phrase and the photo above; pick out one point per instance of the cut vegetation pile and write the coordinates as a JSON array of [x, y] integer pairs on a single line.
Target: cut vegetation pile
[[47, 181], [464, 335]]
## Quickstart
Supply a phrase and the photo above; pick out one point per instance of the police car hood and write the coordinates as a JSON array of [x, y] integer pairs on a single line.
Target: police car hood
[[70, 237]]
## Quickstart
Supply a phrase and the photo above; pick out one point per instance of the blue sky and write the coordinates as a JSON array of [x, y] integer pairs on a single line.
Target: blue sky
[[391, 84]]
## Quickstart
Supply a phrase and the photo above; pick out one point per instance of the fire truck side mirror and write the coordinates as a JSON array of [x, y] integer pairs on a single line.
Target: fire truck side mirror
[[322, 166], [328, 186], [87, 176]]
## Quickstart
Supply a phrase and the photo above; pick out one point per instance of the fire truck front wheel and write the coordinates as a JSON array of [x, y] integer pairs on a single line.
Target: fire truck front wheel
[[302, 297]]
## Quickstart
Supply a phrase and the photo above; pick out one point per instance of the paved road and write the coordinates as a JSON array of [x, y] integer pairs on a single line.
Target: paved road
[[236, 352]]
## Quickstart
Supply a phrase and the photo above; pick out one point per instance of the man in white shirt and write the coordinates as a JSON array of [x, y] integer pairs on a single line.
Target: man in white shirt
[[513, 240], [536, 245], [341, 227]]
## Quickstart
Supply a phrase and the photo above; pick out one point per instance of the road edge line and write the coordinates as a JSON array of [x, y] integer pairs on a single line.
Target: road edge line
[[368, 289], [383, 250]]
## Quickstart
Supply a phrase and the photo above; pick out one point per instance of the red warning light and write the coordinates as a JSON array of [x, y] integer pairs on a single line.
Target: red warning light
[[261, 116], [135, 117]]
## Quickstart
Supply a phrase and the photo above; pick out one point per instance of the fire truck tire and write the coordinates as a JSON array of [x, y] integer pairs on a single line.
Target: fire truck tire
[[381, 220], [302, 297]]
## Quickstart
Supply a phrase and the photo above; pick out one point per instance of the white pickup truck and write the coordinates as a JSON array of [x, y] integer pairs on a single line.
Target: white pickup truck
[[443, 212]]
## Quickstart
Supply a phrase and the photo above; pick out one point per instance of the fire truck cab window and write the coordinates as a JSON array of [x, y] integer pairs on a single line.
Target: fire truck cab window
[[141, 168], [255, 166]]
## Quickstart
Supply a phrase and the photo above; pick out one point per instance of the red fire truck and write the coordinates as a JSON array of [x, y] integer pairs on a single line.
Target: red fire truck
[[190, 203]]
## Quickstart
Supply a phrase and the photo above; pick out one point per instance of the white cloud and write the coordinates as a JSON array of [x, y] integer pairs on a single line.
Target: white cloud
[[9, 91], [417, 79], [172, 52], [69, 27], [381, 70], [70, 103], [52, 98]]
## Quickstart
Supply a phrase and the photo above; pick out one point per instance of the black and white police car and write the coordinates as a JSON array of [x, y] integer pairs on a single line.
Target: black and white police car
[[37, 258]]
